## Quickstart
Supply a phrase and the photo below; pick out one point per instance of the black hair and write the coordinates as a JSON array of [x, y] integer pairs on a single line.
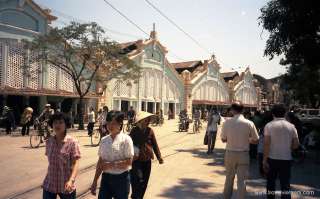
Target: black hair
[[117, 115], [278, 110], [237, 106], [59, 116]]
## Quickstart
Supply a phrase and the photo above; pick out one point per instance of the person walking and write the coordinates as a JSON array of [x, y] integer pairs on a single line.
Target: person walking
[[9, 120], [280, 138], [91, 121], [63, 155], [212, 128], [146, 145], [238, 133], [115, 159], [26, 121]]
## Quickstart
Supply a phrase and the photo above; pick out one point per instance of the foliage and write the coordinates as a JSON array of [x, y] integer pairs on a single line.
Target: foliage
[[294, 28], [83, 52]]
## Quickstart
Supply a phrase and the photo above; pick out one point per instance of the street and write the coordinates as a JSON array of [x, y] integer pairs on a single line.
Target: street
[[187, 172]]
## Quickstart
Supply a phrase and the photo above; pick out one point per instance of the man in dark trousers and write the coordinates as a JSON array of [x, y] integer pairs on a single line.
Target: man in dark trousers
[[280, 138]]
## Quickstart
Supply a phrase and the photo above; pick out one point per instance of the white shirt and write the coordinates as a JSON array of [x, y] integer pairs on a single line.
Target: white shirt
[[237, 132], [213, 123], [91, 117], [281, 133], [120, 148]]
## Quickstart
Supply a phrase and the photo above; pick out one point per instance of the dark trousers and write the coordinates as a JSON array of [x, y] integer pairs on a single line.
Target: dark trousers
[[211, 140], [26, 128], [90, 128], [260, 159], [115, 186], [253, 151], [140, 174], [281, 169], [8, 126], [49, 195]]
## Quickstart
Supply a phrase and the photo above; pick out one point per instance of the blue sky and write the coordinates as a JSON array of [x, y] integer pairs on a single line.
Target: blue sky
[[229, 28]]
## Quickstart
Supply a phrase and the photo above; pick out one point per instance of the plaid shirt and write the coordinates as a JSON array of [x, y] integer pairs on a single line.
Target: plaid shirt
[[60, 157]]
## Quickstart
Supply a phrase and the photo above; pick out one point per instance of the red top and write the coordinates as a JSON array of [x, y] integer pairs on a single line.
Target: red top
[[60, 157]]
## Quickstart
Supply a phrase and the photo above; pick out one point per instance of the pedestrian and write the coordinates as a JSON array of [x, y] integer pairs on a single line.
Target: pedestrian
[[238, 133], [63, 154], [71, 118], [26, 121], [266, 118], [212, 129], [280, 137], [146, 145], [115, 159], [257, 120], [9, 120], [91, 121]]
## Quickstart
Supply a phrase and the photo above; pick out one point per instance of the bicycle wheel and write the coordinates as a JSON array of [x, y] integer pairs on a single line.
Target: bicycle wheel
[[35, 140], [95, 137]]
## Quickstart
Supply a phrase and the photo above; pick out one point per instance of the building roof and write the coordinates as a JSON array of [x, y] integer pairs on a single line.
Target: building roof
[[44, 11], [227, 76], [189, 65]]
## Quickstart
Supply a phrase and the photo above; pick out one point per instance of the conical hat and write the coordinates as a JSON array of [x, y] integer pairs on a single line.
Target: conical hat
[[143, 115]]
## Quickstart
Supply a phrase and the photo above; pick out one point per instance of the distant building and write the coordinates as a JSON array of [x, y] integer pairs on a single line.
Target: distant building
[[23, 80]]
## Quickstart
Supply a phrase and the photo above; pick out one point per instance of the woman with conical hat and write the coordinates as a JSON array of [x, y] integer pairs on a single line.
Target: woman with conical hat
[[145, 144]]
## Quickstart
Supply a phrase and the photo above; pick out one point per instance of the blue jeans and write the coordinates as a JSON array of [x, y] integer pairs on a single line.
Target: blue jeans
[[114, 186], [49, 195]]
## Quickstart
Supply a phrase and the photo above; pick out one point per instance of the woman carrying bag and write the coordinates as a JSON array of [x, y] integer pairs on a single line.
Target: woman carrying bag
[[146, 145]]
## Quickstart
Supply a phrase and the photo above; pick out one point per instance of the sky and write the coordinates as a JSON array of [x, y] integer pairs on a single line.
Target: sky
[[227, 28]]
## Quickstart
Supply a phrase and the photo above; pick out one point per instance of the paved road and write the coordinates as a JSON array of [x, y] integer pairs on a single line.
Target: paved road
[[188, 171]]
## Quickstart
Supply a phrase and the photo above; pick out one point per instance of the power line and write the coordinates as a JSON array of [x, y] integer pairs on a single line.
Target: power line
[[72, 18], [124, 16], [177, 26]]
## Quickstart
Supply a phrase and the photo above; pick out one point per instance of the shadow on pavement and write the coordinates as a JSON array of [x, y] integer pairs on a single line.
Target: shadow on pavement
[[190, 189]]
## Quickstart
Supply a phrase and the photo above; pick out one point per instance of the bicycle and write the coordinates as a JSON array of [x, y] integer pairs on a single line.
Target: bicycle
[[196, 126], [37, 135], [97, 135]]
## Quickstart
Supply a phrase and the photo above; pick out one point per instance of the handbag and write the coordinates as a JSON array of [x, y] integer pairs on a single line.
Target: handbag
[[205, 140]]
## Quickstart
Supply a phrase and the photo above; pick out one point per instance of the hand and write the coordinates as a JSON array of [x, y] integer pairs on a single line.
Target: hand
[[93, 188], [160, 161], [265, 166], [68, 187]]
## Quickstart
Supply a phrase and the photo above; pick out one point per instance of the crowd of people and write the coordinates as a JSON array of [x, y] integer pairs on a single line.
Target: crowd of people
[[124, 160]]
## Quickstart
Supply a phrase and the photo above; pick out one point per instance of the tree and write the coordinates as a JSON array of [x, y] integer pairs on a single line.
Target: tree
[[84, 53], [294, 28]]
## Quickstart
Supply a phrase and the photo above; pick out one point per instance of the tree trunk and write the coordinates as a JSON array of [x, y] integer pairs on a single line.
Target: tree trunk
[[81, 113]]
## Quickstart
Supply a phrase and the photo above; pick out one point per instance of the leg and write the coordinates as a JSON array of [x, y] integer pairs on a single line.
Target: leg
[[68, 196], [210, 142], [23, 130], [271, 178], [136, 178], [284, 175], [105, 191], [260, 157], [242, 174], [146, 175], [230, 173], [214, 136], [122, 186], [28, 127], [48, 195]]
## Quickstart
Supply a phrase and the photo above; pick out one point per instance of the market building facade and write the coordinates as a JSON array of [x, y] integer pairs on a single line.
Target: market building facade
[[25, 81]]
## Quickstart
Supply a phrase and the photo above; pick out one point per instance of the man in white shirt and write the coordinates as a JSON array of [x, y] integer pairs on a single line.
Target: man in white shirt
[[91, 121], [280, 137], [238, 133], [212, 128]]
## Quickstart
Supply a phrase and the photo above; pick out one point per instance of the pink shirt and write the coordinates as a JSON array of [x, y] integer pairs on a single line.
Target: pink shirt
[[60, 157]]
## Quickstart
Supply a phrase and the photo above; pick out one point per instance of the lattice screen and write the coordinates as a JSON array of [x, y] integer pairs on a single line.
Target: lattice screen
[[66, 82], [124, 89], [34, 72], [1, 63], [52, 77], [15, 65], [116, 88]]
